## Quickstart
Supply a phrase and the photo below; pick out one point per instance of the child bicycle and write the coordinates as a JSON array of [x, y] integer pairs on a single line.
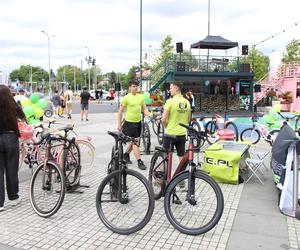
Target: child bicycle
[[124, 199], [195, 209]]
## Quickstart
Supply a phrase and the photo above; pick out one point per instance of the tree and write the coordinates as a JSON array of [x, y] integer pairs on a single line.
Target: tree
[[66, 74], [292, 52], [259, 63], [25, 72]]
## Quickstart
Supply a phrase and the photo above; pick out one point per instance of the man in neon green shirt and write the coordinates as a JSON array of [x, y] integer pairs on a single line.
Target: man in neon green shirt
[[176, 110], [134, 105]]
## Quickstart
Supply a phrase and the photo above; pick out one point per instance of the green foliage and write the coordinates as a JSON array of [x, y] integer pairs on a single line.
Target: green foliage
[[292, 52], [66, 73], [258, 61], [166, 50], [25, 71]]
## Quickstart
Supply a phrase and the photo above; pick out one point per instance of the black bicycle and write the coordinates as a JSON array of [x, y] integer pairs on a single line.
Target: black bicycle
[[193, 201], [124, 199]]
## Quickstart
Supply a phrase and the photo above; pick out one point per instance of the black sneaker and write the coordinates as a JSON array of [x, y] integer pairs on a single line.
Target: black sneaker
[[127, 158], [141, 165]]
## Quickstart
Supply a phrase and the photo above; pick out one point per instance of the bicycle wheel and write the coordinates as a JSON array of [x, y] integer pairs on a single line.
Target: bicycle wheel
[[232, 126], [145, 139], [47, 189], [251, 135], [160, 133], [205, 209], [158, 173], [72, 165], [48, 113], [131, 208], [211, 132], [197, 143], [87, 155]]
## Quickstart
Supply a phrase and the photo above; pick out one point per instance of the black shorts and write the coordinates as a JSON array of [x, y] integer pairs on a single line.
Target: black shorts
[[179, 143], [132, 129], [84, 106]]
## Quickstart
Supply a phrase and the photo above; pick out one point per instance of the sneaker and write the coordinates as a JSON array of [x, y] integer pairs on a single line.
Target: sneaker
[[1, 208], [87, 119], [127, 158], [141, 165], [15, 202]]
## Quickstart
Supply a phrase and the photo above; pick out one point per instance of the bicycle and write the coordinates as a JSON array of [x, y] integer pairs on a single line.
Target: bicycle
[[180, 203], [145, 138], [213, 126], [257, 131], [124, 199], [296, 118]]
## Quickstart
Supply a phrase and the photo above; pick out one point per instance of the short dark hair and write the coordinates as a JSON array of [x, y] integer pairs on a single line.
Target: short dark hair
[[133, 82], [84, 88], [178, 84]]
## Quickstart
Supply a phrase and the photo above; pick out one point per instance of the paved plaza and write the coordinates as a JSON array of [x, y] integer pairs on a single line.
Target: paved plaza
[[77, 226]]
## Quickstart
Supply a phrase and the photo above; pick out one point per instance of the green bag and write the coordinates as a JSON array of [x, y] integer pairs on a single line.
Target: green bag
[[222, 163]]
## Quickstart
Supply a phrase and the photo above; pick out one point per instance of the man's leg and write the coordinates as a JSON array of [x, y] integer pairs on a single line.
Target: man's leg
[[86, 113]]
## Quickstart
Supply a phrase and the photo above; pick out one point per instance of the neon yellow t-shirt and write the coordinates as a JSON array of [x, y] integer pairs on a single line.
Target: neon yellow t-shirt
[[179, 109], [133, 105]]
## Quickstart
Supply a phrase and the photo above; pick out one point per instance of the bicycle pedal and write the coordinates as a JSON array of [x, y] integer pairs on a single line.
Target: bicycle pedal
[[177, 202]]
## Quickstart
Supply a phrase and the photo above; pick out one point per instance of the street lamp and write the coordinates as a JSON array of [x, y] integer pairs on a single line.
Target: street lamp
[[88, 61], [48, 36], [141, 44]]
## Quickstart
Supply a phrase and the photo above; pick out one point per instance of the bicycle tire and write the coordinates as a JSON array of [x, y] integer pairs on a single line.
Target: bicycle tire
[[158, 174], [115, 210], [154, 126], [199, 224], [48, 113], [72, 165], [254, 133], [145, 138], [211, 132], [58, 177], [87, 155], [232, 126], [160, 133]]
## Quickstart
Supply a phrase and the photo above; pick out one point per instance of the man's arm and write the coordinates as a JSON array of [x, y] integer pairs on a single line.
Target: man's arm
[[146, 111], [165, 117], [120, 114]]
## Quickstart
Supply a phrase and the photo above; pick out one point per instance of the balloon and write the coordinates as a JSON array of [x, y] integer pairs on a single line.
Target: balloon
[[25, 102], [148, 101], [34, 97], [28, 111], [42, 103], [38, 113], [33, 121], [277, 107], [146, 95]]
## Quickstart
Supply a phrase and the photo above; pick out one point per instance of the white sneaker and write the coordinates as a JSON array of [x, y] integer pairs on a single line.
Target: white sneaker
[[15, 202], [1, 209]]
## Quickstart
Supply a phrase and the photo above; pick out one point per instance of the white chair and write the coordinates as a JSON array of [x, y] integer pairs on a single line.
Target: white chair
[[254, 167]]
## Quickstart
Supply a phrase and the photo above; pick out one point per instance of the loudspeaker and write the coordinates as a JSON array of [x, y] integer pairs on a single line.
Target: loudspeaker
[[244, 67], [180, 66], [245, 50], [117, 86], [257, 88], [179, 47]]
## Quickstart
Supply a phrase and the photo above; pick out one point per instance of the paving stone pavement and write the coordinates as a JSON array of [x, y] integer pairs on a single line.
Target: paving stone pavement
[[77, 226]]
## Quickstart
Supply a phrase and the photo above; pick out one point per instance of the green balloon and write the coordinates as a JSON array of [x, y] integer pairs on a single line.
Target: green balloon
[[148, 101], [28, 111], [38, 113], [34, 97], [146, 95], [42, 103], [25, 102]]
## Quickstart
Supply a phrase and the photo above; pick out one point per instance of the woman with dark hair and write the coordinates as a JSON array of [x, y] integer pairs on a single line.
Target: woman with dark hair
[[9, 146]]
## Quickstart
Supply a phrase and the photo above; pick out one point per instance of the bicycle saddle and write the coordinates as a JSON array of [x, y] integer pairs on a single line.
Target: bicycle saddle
[[119, 136]]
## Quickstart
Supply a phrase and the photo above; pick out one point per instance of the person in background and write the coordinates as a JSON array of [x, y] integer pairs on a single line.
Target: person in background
[[56, 102], [69, 102], [84, 101], [176, 110], [9, 146], [134, 105], [100, 96], [190, 97]]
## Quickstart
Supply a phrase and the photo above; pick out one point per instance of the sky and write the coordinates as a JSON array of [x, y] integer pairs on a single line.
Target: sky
[[108, 30]]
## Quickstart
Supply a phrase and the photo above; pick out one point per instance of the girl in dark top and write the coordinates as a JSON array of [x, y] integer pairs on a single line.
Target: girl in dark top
[[9, 146]]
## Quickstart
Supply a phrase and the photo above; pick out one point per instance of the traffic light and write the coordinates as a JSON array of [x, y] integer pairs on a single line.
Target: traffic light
[[94, 62]]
